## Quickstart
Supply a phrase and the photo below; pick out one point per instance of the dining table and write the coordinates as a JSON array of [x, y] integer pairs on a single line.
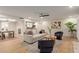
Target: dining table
[[3, 34]]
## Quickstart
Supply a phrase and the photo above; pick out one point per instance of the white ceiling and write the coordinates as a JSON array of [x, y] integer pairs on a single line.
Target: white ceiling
[[55, 12]]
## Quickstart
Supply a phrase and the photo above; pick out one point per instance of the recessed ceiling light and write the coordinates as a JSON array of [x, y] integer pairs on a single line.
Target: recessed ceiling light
[[41, 17]]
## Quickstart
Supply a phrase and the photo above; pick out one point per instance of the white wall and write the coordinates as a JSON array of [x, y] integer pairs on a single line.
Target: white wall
[[40, 25], [14, 26], [78, 28], [11, 27], [44, 24], [20, 25]]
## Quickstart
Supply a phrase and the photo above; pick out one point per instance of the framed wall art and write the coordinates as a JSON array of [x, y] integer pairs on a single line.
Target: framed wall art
[[56, 24]]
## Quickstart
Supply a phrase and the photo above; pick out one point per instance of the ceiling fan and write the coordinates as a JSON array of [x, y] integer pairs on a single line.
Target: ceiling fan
[[21, 18], [44, 15]]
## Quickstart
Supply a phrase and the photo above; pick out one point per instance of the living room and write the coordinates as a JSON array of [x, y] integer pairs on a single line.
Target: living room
[[24, 27]]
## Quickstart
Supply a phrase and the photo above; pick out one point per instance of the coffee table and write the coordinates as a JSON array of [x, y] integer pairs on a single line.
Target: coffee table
[[50, 37]]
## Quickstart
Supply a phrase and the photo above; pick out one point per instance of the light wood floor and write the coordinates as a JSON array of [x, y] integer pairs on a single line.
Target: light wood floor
[[11, 46], [14, 46], [66, 46]]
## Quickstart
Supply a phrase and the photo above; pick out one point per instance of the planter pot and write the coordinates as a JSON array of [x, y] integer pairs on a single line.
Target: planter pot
[[73, 34]]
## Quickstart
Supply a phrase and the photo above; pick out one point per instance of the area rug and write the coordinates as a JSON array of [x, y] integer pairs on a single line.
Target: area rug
[[33, 48]]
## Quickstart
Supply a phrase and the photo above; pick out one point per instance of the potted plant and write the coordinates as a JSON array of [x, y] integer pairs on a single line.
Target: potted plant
[[71, 27], [50, 29]]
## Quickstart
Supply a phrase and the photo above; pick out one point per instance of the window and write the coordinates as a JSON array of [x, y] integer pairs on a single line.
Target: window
[[4, 26]]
